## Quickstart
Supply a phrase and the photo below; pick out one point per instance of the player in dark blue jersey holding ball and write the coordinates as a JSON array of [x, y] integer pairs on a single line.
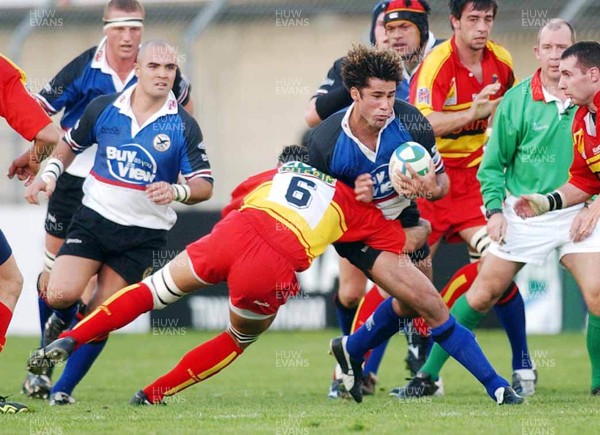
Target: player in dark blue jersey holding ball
[[145, 140], [355, 145], [403, 26]]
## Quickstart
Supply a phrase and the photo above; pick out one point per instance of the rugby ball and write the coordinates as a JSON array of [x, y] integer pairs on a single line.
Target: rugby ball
[[412, 153]]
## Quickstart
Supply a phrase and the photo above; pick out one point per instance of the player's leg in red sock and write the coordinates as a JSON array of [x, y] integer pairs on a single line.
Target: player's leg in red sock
[[11, 282], [209, 358]]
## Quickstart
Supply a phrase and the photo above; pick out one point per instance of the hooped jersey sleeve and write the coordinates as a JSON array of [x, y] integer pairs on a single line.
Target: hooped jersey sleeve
[[194, 160]]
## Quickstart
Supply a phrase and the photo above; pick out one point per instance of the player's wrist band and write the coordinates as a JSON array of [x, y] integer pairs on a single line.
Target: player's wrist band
[[54, 168], [555, 200], [492, 211], [181, 192]]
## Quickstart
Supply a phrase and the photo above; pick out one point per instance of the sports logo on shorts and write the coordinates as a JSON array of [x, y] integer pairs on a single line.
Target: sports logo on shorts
[[423, 95], [161, 142]]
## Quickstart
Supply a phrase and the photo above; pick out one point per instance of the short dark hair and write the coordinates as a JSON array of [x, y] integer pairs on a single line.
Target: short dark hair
[[124, 5], [587, 54], [458, 6], [363, 63], [293, 153]]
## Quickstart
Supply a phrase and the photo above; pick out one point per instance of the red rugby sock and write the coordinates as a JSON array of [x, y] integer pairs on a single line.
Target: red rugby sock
[[5, 316], [117, 311], [198, 364], [460, 282]]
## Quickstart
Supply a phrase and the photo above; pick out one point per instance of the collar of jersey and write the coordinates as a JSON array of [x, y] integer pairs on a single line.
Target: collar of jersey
[[371, 155], [99, 62], [540, 93], [123, 103]]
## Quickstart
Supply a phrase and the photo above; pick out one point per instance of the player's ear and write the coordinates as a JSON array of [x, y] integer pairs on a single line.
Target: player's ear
[[594, 74], [354, 93], [136, 70]]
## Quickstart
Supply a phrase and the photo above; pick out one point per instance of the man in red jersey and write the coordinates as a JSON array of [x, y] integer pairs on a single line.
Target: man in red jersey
[[27, 118]]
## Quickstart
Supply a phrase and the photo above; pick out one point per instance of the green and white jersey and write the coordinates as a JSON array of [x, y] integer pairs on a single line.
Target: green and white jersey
[[531, 146]]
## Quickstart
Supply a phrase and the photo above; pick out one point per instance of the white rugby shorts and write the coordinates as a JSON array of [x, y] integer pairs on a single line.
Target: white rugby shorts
[[531, 240]]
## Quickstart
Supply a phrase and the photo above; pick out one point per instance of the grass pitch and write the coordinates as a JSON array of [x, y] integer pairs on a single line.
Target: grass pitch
[[279, 385]]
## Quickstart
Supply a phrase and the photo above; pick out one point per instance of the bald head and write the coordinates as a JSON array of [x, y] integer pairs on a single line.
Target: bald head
[[156, 48], [156, 68], [556, 24]]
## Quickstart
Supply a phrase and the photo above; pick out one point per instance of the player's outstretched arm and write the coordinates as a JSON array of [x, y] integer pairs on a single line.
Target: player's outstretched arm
[[536, 204], [444, 123], [27, 165], [60, 160]]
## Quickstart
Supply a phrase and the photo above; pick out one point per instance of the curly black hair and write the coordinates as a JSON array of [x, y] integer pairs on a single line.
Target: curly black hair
[[364, 63]]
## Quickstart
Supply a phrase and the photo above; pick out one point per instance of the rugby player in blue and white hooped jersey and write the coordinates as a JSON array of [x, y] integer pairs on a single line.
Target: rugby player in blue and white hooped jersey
[[145, 140], [101, 70], [403, 26]]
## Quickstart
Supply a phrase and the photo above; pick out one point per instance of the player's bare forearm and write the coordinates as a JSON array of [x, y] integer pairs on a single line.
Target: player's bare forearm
[[444, 123], [536, 204], [200, 190], [45, 142], [64, 153], [572, 195], [27, 165]]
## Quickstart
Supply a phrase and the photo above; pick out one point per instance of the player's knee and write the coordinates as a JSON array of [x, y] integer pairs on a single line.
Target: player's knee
[[486, 291], [60, 294], [11, 284], [163, 288], [351, 291], [426, 226], [591, 293]]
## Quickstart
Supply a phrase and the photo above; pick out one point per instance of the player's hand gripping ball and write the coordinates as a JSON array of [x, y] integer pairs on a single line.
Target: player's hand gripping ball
[[412, 153]]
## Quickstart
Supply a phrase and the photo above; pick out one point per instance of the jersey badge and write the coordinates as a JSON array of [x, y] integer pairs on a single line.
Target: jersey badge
[[423, 96], [161, 142]]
